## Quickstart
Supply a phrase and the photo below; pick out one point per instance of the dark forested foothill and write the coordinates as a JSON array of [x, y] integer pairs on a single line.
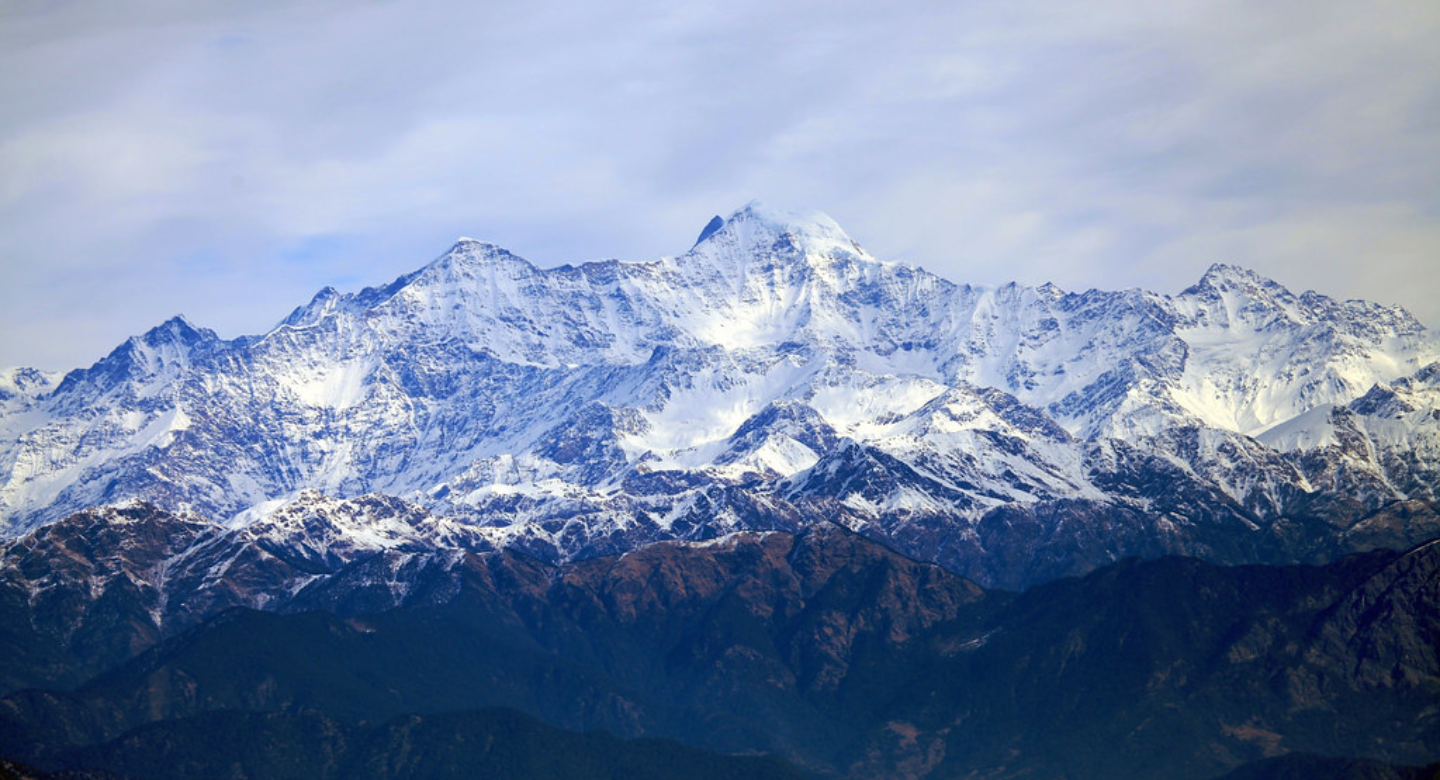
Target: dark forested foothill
[[821, 648]]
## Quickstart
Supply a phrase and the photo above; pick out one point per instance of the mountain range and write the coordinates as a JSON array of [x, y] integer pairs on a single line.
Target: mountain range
[[774, 375], [770, 495]]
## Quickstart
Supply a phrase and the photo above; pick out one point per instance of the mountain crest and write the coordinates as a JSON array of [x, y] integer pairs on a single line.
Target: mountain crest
[[165, 348], [760, 231], [177, 329], [808, 228], [1222, 280]]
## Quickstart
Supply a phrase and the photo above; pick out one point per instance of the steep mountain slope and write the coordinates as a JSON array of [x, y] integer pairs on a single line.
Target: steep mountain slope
[[774, 375]]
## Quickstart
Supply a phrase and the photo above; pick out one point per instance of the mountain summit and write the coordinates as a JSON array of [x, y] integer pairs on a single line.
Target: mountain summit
[[773, 376]]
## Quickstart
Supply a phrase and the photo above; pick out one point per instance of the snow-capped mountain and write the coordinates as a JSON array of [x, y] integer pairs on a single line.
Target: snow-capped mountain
[[774, 375]]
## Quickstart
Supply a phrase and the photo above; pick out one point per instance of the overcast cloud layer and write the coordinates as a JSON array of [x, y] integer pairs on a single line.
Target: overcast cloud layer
[[228, 161]]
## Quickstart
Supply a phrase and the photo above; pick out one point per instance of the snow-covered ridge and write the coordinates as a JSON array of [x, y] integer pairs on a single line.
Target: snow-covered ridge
[[773, 367]]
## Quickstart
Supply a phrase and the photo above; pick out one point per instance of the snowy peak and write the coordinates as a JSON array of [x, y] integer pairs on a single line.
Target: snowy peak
[[470, 253], [1228, 296], [1257, 355], [759, 277], [773, 233], [1223, 277], [468, 265], [768, 277], [177, 330], [1235, 297], [322, 304], [812, 225], [472, 273], [493, 302], [157, 356], [780, 440]]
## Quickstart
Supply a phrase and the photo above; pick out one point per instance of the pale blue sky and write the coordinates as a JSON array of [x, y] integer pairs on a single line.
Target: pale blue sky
[[226, 162]]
